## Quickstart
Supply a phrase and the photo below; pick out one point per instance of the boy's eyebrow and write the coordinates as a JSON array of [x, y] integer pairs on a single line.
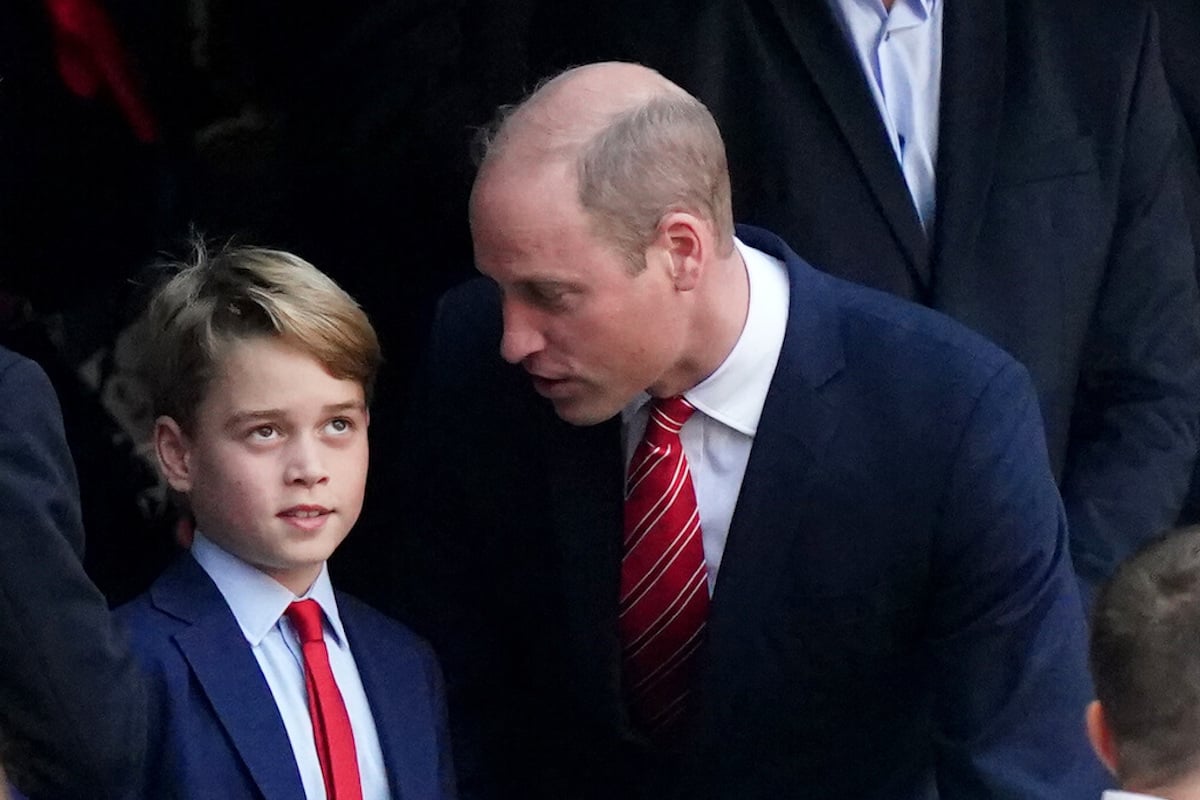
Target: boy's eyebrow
[[241, 418], [349, 405]]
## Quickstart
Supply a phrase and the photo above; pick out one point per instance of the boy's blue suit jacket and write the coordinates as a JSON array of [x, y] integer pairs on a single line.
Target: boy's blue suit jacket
[[215, 731]]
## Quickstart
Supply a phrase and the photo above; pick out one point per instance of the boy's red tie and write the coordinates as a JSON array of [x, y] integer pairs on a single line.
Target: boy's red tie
[[331, 723]]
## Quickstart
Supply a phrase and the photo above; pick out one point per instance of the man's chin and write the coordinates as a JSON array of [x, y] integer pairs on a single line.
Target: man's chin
[[577, 411]]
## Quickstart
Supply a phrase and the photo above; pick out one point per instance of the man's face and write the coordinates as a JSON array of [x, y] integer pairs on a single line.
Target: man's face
[[277, 461], [590, 334]]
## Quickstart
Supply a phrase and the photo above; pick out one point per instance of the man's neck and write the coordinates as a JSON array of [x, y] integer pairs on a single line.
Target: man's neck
[[718, 321]]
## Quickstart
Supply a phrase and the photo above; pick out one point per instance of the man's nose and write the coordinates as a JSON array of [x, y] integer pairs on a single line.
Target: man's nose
[[522, 336]]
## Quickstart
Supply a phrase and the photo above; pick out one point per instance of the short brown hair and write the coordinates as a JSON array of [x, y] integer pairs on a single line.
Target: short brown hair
[[1145, 659], [663, 154], [241, 293]]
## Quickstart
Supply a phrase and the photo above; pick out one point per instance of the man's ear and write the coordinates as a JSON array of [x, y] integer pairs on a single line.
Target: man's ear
[[1100, 734], [173, 450], [686, 239]]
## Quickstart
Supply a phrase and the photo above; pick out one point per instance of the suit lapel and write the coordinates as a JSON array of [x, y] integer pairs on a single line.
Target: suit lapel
[[973, 55], [586, 494], [821, 43], [230, 677], [798, 421], [388, 703]]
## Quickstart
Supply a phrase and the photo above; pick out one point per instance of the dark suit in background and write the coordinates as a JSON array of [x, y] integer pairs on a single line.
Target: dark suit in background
[[1181, 59], [71, 704], [1060, 230], [895, 609]]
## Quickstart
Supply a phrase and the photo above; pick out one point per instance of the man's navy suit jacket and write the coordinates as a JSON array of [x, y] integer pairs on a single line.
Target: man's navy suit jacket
[[215, 731], [895, 608]]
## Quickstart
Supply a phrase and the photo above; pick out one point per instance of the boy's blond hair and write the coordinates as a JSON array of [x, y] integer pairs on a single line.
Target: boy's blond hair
[[242, 293]]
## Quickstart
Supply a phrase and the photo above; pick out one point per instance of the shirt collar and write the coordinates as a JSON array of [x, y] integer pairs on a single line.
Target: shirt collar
[[914, 11], [735, 392], [256, 599], [1112, 794]]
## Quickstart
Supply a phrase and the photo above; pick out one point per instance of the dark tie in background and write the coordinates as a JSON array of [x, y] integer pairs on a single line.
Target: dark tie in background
[[664, 580], [331, 723]]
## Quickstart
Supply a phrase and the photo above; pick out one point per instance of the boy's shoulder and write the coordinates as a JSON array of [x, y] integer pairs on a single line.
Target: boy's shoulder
[[371, 629], [180, 598]]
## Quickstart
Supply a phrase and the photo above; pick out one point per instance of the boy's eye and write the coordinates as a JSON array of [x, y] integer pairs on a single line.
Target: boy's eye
[[339, 425], [264, 432]]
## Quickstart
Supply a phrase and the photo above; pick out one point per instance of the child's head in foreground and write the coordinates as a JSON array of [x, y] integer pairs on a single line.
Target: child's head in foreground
[[261, 369], [1145, 659]]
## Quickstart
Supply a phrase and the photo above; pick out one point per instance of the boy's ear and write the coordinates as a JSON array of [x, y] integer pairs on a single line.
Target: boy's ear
[[173, 450], [1100, 734]]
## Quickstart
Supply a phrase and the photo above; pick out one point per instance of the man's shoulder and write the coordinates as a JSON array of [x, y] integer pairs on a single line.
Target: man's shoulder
[[911, 332], [877, 334]]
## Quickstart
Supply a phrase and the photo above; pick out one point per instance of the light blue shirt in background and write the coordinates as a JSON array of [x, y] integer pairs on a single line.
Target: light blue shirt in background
[[901, 55], [258, 603]]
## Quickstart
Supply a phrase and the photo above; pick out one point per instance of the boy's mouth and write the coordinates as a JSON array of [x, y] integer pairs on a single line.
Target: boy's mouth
[[305, 516]]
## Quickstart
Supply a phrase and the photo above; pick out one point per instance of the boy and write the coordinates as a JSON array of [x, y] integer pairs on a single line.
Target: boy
[[263, 681]]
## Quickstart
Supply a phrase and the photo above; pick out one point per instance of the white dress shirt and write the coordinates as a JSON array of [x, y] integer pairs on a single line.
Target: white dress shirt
[[1115, 795], [258, 603], [718, 437], [901, 55]]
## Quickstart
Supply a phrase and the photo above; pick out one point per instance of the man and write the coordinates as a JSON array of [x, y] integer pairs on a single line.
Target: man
[[72, 710], [863, 589], [1008, 162], [1145, 726]]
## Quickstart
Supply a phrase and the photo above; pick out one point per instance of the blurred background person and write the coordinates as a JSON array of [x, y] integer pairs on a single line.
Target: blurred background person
[[1145, 723], [72, 709]]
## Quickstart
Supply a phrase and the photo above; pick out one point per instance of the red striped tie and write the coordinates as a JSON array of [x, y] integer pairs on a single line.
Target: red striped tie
[[331, 724], [664, 581]]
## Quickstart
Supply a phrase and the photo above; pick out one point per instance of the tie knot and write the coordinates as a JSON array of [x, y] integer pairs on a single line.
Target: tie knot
[[305, 616], [669, 413]]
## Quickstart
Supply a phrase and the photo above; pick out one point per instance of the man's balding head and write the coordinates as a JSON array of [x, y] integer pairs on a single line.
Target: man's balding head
[[636, 145]]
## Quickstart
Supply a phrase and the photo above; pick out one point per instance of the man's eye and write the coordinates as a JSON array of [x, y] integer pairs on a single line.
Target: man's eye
[[548, 297], [340, 425], [263, 432]]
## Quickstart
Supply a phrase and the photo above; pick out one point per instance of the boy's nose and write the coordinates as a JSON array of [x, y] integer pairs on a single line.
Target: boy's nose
[[305, 467]]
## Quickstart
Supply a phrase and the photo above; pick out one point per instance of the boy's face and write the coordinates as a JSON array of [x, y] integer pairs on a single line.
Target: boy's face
[[277, 462]]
